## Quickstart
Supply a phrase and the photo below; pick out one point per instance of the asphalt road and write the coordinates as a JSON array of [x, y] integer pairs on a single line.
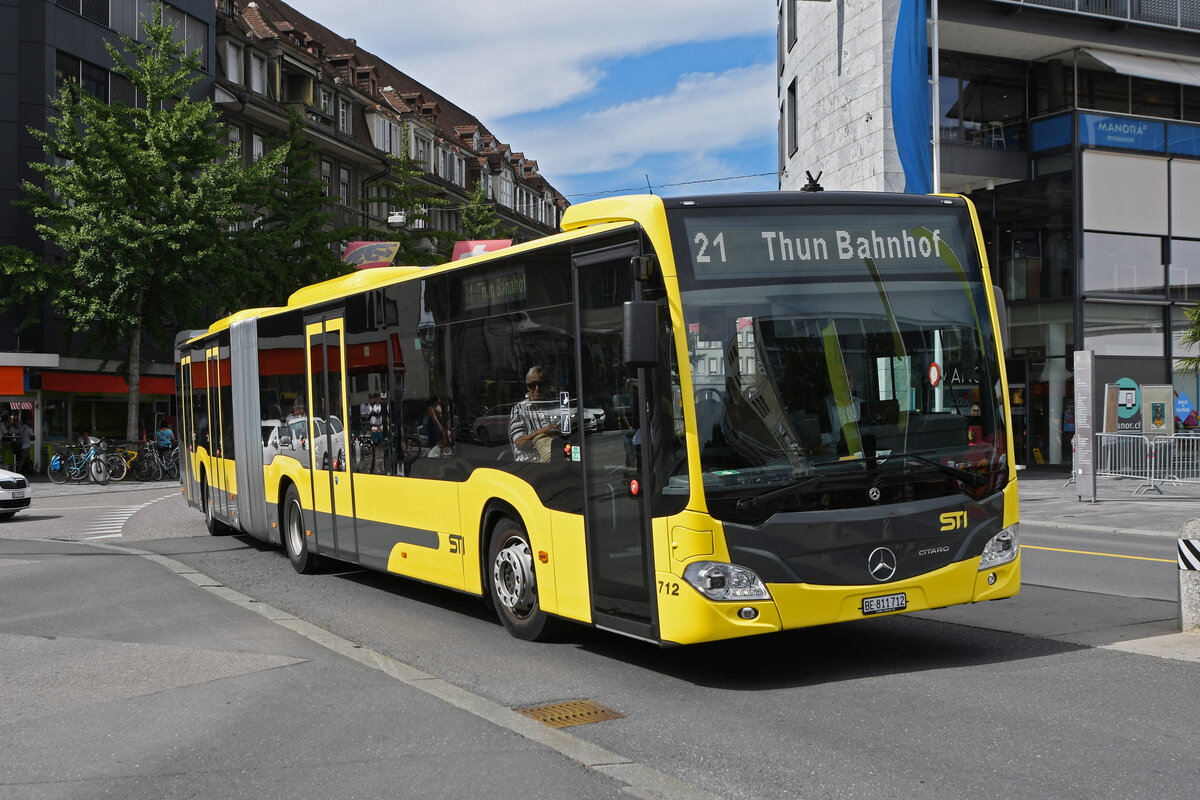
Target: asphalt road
[[1045, 695]]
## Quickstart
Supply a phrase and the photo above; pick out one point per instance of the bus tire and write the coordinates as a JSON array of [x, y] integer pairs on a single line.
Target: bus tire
[[295, 539], [214, 525], [512, 583]]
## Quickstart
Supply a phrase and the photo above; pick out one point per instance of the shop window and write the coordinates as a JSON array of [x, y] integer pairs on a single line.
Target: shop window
[[1116, 329], [1155, 98], [1103, 91], [1184, 272], [1123, 264]]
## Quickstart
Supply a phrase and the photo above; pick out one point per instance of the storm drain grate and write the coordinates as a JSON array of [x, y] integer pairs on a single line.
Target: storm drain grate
[[576, 712]]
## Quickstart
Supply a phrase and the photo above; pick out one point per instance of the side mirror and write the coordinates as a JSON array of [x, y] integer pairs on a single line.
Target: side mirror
[[640, 332]]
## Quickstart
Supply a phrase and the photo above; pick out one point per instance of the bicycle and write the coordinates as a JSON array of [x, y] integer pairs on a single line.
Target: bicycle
[[155, 463], [119, 459], [78, 463]]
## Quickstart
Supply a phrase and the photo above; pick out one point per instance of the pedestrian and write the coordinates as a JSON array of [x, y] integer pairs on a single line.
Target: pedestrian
[[165, 437], [25, 467]]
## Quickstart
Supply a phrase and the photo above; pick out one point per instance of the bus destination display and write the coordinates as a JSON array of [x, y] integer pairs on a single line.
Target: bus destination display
[[725, 247]]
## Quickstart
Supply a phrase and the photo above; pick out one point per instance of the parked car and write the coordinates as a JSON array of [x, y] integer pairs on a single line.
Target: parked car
[[15, 493], [491, 427]]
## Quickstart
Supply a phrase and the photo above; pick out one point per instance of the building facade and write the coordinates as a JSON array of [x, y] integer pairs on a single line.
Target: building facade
[[1074, 127], [262, 61]]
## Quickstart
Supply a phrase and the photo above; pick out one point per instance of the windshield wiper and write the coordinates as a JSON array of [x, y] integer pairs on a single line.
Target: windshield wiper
[[756, 502], [973, 478]]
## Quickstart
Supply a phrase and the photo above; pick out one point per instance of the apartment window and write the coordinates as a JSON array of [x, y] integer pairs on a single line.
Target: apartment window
[[258, 73], [789, 10], [234, 137], [383, 134], [95, 10], [792, 121], [506, 191], [327, 177], [94, 81], [460, 171], [326, 103], [66, 70], [422, 155], [343, 118], [344, 186], [233, 63], [257, 147]]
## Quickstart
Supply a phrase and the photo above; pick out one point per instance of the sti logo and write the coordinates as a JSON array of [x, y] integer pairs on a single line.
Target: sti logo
[[953, 520]]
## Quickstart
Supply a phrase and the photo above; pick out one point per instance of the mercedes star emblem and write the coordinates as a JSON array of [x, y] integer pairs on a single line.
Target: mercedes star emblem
[[873, 493], [881, 564]]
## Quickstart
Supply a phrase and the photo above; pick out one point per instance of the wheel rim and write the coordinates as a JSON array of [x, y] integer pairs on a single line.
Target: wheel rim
[[513, 577], [295, 531]]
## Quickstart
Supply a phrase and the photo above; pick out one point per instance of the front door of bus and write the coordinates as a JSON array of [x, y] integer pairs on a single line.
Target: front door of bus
[[333, 500], [617, 535]]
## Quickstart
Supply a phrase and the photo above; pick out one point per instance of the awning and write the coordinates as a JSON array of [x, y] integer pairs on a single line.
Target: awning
[[21, 405], [1158, 69]]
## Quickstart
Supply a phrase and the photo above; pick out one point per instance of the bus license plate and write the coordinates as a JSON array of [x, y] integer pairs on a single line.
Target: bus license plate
[[888, 602]]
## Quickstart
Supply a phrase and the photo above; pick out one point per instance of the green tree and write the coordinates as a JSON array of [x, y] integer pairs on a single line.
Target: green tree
[[291, 243], [140, 200], [1190, 337], [405, 191], [479, 217]]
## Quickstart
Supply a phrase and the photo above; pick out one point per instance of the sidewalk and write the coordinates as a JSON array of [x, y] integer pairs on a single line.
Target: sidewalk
[[1047, 500], [121, 680], [44, 487]]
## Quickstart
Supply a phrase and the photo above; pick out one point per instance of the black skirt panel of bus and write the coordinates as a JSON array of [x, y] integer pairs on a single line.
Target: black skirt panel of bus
[[834, 548]]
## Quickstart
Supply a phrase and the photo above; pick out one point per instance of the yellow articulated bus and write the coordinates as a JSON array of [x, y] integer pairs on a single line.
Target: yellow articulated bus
[[681, 419]]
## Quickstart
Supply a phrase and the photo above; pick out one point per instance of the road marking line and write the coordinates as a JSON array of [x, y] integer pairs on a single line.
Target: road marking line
[[1090, 553], [639, 780], [105, 536]]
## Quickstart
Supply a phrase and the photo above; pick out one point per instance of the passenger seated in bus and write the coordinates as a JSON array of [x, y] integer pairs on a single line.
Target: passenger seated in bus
[[534, 421]]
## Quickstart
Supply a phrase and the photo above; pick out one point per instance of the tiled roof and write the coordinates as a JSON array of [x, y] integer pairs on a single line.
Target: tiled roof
[[276, 20]]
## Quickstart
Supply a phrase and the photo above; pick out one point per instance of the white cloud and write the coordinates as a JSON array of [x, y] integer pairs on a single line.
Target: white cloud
[[703, 115], [526, 55]]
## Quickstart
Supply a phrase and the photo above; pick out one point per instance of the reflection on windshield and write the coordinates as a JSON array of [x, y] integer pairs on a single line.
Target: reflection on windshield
[[794, 380]]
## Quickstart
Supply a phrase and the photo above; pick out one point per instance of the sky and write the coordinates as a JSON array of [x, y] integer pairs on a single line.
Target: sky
[[608, 98]]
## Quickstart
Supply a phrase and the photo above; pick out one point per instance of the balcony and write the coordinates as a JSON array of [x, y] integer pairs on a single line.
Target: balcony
[[1170, 13]]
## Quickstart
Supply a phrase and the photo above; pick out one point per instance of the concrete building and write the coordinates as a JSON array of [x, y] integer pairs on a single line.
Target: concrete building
[[262, 60], [1074, 126]]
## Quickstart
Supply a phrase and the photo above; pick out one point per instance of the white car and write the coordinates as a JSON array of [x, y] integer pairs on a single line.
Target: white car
[[15, 493]]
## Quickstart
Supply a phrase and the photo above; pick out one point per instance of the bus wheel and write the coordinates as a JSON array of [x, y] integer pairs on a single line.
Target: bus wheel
[[295, 541], [214, 525], [513, 583]]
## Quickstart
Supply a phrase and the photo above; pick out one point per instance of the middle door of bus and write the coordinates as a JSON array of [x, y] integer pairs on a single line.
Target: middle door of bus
[[333, 497], [617, 526]]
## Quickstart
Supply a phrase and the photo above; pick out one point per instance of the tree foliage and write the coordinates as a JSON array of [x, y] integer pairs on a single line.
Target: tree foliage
[[405, 191], [1189, 338], [479, 217], [141, 199], [292, 242]]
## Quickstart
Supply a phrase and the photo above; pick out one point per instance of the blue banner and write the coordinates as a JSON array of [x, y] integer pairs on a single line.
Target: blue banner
[[910, 97], [1123, 132]]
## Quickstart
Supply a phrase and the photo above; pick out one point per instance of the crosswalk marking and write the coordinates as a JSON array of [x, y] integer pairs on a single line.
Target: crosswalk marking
[[110, 524]]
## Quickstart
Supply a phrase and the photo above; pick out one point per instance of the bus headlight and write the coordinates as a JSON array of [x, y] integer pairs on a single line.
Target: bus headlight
[[719, 581], [1000, 549]]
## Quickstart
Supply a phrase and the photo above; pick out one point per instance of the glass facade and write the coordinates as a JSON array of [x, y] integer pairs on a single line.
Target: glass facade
[[1100, 249]]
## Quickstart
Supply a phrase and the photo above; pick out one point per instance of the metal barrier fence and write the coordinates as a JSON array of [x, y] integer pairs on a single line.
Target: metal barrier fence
[[1153, 459]]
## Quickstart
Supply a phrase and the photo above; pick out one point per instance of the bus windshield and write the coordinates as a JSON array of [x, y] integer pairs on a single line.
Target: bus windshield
[[830, 345]]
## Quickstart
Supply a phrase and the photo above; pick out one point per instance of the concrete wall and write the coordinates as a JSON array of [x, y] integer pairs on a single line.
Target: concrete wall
[[841, 63]]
